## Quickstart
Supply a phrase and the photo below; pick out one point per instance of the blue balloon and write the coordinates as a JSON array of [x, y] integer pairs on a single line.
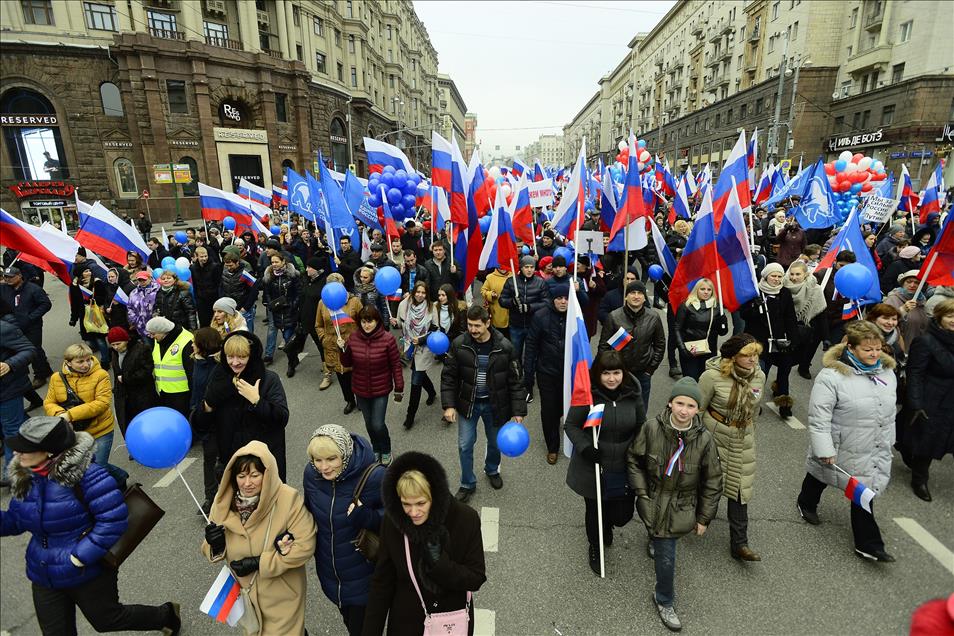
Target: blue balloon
[[169, 263], [398, 212], [334, 295], [375, 199], [394, 196], [184, 273], [156, 273], [159, 437], [438, 343], [853, 281], [408, 201], [656, 272], [416, 178], [400, 175], [513, 439], [387, 280], [641, 144], [484, 223], [275, 230], [228, 223], [840, 165], [181, 236], [388, 170], [374, 182], [855, 188], [409, 188], [565, 252], [387, 180], [525, 250]]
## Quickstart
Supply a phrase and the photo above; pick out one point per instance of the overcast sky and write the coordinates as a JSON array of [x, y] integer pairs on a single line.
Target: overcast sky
[[526, 68]]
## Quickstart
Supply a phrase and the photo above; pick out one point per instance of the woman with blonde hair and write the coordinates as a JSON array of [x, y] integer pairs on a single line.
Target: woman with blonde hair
[[731, 389], [334, 331], [810, 305], [700, 320], [226, 317], [416, 323]]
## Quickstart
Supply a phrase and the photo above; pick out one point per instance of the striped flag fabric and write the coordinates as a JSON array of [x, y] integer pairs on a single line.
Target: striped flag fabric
[[859, 494], [595, 416], [103, 232], [340, 318], [849, 311], [87, 293], [381, 154], [121, 297], [247, 278], [620, 339], [676, 458], [577, 359], [223, 601]]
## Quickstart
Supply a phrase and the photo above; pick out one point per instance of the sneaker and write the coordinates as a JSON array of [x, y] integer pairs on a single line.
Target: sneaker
[[386, 459], [377, 457], [875, 555], [809, 516], [651, 550], [668, 616], [464, 494], [325, 382], [495, 481]]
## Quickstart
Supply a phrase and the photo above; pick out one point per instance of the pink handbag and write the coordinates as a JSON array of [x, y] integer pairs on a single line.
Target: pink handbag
[[445, 623]]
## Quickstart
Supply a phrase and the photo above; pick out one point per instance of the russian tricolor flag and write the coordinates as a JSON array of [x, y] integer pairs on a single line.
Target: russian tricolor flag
[[340, 318], [666, 260], [734, 174], [280, 195], [764, 188], [441, 161], [121, 297], [620, 339], [931, 202], [500, 248], [25, 239], [247, 277], [849, 311], [217, 205], [569, 212], [518, 169], [87, 293], [699, 258], [751, 158], [595, 416], [521, 212], [539, 174], [577, 359], [458, 190], [632, 204], [103, 232], [381, 154], [907, 198], [223, 601], [859, 494]]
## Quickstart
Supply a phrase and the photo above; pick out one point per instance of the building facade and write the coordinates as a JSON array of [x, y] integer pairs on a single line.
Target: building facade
[[134, 102], [452, 109], [470, 135], [549, 149], [708, 69]]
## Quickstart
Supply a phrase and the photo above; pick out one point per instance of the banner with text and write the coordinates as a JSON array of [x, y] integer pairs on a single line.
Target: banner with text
[[541, 193], [878, 209]]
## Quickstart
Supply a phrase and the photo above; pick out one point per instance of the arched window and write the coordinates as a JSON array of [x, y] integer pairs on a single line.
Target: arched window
[[112, 101], [125, 178], [35, 144], [191, 189], [287, 163], [339, 145]]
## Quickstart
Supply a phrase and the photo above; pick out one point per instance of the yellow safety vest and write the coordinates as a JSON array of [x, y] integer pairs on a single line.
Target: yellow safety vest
[[168, 370]]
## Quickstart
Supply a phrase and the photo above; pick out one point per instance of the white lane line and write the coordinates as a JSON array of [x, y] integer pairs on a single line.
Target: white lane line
[[490, 528], [934, 547], [792, 422], [485, 622], [170, 477]]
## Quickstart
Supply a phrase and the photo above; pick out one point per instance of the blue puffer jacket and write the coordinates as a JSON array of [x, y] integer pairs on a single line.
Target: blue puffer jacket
[[48, 508], [343, 572]]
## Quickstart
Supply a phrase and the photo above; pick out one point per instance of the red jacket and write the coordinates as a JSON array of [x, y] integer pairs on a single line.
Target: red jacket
[[375, 363]]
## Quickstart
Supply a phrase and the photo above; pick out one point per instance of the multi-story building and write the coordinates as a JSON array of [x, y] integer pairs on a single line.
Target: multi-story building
[[548, 149], [470, 134], [102, 95], [813, 77], [452, 109]]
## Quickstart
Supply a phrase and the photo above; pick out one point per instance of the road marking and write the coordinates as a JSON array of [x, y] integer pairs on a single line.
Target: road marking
[[490, 528], [934, 547], [485, 621], [170, 477], [792, 422]]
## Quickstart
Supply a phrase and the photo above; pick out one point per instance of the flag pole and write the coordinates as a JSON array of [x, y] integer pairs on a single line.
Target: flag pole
[[599, 505], [533, 231], [927, 272], [433, 222], [449, 231], [192, 494], [516, 290]]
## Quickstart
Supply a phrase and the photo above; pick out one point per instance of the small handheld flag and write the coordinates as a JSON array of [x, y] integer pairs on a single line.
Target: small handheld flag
[[595, 416], [859, 494], [247, 278], [87, 293], [340, 318], [121, 297], [620, 339], [223, 602]]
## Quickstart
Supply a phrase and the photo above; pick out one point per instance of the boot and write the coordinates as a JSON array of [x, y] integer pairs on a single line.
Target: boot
[[412, 406], [594, 558], [784, 404], [430, 390], [292, 363], [325, 381]]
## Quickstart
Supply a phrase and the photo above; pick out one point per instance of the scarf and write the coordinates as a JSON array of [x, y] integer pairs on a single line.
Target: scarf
[[415, 326], [742, 401], [890, 337], [808, 296], [771, 290], [444, 317], [906, 295], [244, 506], [44, 468]]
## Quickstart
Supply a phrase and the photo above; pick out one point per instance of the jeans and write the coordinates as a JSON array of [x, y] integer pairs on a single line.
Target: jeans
[[665, 562], [784, 363], [645, 383], [101, 448], [250, 318], [98, 599], [864, 528], [518, 335], [271, 338], [467, 437], [99, 345], [374, 410], [12, 416]]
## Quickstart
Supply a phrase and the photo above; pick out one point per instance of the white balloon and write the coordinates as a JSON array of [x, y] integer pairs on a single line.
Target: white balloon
[[505, 189], [640, 165], [877, 166], [846, 156], [494, 172], [851, 167], [183, 262], [622, 145], [865, 163], [644, 156]]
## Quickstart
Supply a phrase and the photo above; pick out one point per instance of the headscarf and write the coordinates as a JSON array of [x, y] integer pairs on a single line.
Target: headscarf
[[342, 439], [808, 296]]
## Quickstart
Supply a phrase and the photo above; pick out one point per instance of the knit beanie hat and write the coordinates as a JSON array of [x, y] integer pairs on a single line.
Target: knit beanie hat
[[772, 268], [527, 260], [636, 286], [731, 347], [315, 263], [559, 261], [159, 324], [226, 304], [911, 251], [560, 290], [117, 334], [342, 439], [688, 387]]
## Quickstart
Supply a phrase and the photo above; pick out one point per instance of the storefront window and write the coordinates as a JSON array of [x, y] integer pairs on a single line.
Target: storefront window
[[191, 189], [35, 145], [339, 145], [125, 178]]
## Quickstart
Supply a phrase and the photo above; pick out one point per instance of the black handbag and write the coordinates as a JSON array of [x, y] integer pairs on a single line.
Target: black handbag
[[368, 543], [142, 513], [73, 400]]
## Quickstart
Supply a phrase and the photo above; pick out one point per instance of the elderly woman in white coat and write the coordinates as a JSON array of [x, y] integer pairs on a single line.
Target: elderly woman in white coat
[[851, 430]]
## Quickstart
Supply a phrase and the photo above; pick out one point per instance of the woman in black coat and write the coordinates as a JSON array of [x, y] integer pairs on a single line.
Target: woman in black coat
[[445, 545], [623, 416], [174, 301], [929, 433], [244, 401], [701, 317], [206, 276], [116, 313], [80, 298], [771, 320], [134, 388]]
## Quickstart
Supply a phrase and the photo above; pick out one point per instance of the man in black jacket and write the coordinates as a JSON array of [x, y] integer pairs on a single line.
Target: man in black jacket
[[16, 351], [30, 303], [440, 269], [411, 273], [316, 271], [530, 296], [348, 262], [481, 380], [239, 284], [544, 362]]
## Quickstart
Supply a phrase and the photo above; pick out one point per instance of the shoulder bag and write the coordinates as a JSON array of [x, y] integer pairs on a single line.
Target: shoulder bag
[[367, 542], [443, 623], [143, 515], [701, 347], [73, 400]]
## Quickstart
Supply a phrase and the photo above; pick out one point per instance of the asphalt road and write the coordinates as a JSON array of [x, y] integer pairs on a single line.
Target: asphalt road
[[809, 582]]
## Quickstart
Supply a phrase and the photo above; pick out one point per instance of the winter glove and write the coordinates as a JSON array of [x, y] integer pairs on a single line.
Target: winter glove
[[361, 516], [434, 551], [918, 417], [591, 454], [826, 345], [215, 537], [244, 567]]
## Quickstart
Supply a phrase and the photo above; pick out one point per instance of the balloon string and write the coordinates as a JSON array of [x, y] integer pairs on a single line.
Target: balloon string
[[197, 504]]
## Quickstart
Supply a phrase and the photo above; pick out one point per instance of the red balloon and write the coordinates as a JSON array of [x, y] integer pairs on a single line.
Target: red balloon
[[829, 168], [866, 187], [844, 185], [855, 158], [858, 176], [833, 181]]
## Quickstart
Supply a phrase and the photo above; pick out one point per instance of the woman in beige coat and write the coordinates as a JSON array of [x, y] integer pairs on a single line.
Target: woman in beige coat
[[731, 388], [261, 527], [333, 341]]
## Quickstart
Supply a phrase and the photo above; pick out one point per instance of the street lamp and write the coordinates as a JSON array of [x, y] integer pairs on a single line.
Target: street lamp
[[799, 63], [773, 132]]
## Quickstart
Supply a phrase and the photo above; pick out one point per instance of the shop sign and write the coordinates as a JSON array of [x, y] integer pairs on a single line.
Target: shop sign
[[240, 135], [44, 188], [47, 203], [897, 155], [117, 144], [230, 112], [29, 120], [182, 173], [947, 133], [287, 148], [184, 143], [161, 173], [855, 141], [335, 139], [918, 154]]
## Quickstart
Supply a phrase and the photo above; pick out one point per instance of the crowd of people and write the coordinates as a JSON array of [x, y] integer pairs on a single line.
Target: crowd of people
[[189, 343]]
